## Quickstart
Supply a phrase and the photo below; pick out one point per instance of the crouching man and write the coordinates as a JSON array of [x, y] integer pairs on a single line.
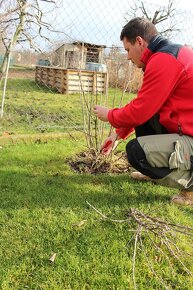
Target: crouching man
[[162, 112]]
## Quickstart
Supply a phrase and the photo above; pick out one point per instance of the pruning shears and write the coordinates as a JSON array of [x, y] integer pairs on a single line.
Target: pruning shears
[[106, 147]]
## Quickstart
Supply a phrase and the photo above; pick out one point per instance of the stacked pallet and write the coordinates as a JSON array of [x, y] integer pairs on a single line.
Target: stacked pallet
[[72, 81]]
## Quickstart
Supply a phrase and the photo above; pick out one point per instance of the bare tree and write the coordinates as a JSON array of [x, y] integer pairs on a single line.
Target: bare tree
[[156, 14], [4, 15], [22, 21]]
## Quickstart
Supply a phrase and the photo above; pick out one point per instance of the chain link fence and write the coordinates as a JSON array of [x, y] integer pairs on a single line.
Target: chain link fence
[[72, 48]]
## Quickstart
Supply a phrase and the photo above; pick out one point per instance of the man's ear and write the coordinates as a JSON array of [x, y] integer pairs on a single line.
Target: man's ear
[[141, 41]]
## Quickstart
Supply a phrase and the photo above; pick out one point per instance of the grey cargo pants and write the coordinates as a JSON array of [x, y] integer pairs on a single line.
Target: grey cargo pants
[[171, 153]]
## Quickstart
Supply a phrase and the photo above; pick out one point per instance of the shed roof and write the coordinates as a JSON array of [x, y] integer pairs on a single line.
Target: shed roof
[[86, 44]]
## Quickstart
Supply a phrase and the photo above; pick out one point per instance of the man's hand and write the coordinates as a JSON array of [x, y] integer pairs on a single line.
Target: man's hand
[[110, 144], [101, 113]]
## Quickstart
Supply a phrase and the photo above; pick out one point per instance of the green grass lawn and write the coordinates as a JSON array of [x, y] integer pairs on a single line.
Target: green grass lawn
[[43, 201], [30, 108]]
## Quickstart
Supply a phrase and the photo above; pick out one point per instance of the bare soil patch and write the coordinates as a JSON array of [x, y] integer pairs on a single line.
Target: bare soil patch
[[24, 74]]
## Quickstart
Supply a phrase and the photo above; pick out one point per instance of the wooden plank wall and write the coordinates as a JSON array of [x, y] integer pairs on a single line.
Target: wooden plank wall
[[71, 81]]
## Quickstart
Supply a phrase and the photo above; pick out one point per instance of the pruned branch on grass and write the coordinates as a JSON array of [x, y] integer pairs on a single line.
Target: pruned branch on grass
[[164, 240]]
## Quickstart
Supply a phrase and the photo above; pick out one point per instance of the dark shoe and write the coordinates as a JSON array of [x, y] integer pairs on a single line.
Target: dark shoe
[[184, 198]]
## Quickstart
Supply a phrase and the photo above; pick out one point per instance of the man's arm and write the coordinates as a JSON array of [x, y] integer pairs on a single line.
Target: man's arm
[[160, 79], [102, 114]]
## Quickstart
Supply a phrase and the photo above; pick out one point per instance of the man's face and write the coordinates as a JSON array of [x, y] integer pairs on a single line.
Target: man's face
[[135, 51]]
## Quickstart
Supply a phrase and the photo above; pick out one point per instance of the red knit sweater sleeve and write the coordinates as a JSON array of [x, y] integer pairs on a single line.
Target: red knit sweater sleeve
[[160, 79]]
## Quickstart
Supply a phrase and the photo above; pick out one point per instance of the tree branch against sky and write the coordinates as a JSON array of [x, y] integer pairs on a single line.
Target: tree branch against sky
[[23, 21], [161, 15]]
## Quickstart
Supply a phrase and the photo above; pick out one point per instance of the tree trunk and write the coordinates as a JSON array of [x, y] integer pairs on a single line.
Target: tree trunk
[[15, 37]]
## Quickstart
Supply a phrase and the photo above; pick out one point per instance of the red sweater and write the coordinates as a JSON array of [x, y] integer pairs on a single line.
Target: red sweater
[[167, 89]]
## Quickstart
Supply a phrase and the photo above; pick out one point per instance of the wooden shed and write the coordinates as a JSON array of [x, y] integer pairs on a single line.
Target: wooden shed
[[77, 54], [71, 81]]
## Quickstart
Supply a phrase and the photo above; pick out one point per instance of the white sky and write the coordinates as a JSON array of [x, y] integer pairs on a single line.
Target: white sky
[[100, 22]]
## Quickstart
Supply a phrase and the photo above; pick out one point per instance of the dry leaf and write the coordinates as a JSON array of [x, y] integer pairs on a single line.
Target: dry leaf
[[80, 224], [52, 258]]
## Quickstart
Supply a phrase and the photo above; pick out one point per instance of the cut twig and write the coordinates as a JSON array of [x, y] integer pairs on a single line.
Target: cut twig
[[137, 235], [163, 237], [104, 216]]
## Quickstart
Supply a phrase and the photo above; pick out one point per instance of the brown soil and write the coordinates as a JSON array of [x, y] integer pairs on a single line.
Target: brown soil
[[90, 162], [22, 74]]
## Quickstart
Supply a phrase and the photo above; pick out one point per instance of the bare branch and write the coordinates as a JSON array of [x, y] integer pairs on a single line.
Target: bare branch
[[163, 241], [49, 1], [145, 13], [156, 14], [19, 22], [31, 42]]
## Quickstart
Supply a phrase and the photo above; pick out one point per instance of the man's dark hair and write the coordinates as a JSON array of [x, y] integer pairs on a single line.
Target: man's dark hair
[[138, 27]]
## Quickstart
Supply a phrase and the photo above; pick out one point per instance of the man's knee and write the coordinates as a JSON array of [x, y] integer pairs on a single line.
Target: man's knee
[[137, 158], [134, 152]]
